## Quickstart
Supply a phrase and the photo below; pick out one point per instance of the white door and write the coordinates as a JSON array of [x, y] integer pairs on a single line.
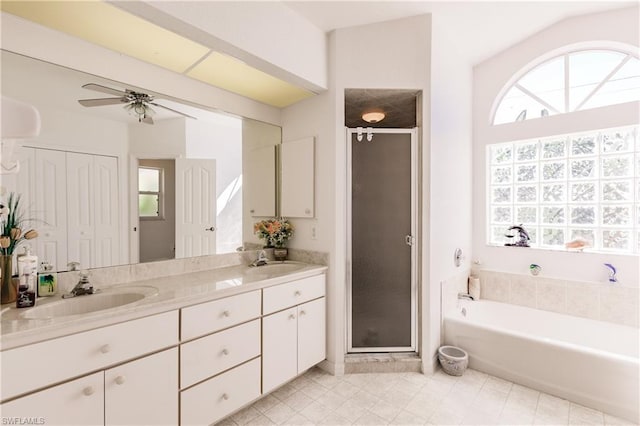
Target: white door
[[143, 392], [107, 211], [311, 334], [279, 348], [80, 212], [195, 207], [51, 207], [79, 402]]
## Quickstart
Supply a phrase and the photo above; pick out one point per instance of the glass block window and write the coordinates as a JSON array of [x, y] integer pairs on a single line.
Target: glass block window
[[571, 82], [150, 193], [566, 187]]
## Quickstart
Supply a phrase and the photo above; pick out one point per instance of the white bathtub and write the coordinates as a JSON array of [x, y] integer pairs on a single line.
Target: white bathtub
[[593, 363]]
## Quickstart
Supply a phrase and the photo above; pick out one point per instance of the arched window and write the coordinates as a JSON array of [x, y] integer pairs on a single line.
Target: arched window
[[570, 82]]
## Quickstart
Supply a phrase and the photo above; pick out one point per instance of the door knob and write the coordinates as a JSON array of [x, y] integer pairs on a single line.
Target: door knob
[[213, 228]]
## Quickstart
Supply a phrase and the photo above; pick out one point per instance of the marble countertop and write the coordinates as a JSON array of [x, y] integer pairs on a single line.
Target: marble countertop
[[173, 292]]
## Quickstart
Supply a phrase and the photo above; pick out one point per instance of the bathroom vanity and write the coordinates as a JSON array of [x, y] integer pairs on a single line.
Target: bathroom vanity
[[200, 348]]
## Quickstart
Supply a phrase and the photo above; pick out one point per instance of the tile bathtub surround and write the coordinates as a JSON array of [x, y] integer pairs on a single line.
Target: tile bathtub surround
[[145, 271], [317, 398], [614, 303]]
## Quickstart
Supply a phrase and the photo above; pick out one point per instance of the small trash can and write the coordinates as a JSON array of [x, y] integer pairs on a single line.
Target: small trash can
[[454, 360]]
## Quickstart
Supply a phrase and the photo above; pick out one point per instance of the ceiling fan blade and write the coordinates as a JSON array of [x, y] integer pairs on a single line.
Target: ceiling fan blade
[[147, 119], [101, 102], [172, 110], [104, 89]]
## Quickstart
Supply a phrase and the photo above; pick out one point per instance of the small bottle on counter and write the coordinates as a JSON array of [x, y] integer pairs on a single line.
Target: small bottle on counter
[[47, 280], [27, 288]]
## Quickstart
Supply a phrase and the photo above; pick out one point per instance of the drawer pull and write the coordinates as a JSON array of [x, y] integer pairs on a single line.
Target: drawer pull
[[225, 396], [120, 380], [225, 352], [105, 349], [88, 391], [302, 313], [226, 314], [297, 293], [291, 317]]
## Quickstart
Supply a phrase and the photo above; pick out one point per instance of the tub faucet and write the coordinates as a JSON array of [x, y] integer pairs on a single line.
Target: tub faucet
[[261, 260], [612, 273], [523, 236]]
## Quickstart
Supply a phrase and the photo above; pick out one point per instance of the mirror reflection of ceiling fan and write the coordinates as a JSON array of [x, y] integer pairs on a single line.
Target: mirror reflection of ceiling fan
[[138, 104]]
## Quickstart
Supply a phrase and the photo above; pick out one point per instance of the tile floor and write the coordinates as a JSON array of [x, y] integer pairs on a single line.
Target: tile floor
[[317, 398]]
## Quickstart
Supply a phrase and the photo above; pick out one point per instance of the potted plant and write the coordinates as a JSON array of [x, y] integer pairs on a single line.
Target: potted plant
[[12, 222], [275, 232]]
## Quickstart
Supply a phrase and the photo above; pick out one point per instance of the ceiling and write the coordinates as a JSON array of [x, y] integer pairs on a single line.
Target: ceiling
[[399, 107], [477, 29], [108, 26]]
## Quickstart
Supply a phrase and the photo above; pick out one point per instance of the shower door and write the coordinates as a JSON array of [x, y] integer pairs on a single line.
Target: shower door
[[382, 182]]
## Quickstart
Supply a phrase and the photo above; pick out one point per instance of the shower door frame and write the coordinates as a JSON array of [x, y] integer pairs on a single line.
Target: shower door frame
[[414, 242]]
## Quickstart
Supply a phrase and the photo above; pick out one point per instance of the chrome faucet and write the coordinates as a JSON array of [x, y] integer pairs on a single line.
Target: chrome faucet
[[612, 273], [261, 260], [523, 236], [83, 287]]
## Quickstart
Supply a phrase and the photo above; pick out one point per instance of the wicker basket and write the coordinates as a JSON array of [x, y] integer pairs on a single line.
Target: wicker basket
[[454, 361]]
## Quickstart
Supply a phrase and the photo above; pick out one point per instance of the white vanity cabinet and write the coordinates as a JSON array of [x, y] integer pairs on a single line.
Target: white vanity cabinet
[[294, 337], [115, 390], [79, 402]]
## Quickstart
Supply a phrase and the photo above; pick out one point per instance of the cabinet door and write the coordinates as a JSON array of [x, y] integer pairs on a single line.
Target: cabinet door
[[143, 392], [311, 334], [279, 349], [79, 402], [297, 178]]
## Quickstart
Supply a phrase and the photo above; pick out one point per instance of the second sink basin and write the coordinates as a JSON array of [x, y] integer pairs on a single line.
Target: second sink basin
[[110, 298], [275, 268]]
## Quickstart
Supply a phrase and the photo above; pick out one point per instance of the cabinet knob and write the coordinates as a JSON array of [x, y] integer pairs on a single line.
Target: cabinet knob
[[88, 391], [297, 293], [302, 313], [225, 352], [105, 349], [225, 396], [226, 314], [120, 380], [292, 317], [47, 234]]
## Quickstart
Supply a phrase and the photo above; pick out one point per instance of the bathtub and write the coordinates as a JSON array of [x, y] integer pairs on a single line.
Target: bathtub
[[592, 363]]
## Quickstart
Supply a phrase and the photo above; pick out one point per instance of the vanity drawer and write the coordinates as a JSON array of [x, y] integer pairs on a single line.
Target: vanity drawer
[[214, 399], [209, 317], [283, 296], [59, 359], [213, 354]]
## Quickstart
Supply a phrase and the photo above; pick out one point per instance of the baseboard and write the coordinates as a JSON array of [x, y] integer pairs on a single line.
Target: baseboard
[[333, 368]]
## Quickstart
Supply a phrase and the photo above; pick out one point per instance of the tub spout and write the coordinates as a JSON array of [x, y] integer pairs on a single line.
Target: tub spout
[[465, 296]]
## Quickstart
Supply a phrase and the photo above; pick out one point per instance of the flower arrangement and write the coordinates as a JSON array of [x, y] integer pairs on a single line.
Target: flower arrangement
[[275, 232], [12, 222]]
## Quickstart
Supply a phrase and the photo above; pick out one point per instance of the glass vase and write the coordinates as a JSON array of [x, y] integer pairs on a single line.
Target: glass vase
[[7, 289]]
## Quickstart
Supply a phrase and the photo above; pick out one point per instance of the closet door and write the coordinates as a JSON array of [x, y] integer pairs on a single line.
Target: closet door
[[81, 209], [50, 207], [106, 202]]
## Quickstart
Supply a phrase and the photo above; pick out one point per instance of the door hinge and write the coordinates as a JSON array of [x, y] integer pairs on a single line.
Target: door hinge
[[409, 240]]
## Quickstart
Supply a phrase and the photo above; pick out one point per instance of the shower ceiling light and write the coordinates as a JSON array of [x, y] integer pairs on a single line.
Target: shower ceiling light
[[373, 116]]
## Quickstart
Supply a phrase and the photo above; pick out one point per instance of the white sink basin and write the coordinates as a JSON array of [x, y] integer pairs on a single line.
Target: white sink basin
[[107, 299], [275, 268]]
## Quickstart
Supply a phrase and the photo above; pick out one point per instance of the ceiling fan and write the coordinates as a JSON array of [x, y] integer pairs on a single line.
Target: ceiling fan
[[138, 104]]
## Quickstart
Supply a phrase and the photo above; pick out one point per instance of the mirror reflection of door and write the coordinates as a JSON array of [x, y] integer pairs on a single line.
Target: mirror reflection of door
[[156, 209]]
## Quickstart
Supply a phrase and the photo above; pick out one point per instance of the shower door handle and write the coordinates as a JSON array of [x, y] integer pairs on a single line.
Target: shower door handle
[[409, 240]]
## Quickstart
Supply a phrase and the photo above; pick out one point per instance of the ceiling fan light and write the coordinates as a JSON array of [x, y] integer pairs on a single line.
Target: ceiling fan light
[[373, 116]]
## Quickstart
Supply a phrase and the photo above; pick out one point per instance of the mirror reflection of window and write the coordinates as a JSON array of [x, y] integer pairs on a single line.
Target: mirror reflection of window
[[150, 192]]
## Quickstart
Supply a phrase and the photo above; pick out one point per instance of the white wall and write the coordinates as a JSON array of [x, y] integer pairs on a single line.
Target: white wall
[[165, 139], [490, 77], [451, 172], [387, 55]]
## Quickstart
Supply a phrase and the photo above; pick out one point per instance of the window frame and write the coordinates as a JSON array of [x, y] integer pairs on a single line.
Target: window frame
[[160, 194], [567, 181]]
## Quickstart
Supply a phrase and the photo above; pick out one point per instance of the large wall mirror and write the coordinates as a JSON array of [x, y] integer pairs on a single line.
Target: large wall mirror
[[104, 187]]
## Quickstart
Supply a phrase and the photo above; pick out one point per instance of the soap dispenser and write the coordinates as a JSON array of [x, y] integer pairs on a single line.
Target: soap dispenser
[[27, 272]]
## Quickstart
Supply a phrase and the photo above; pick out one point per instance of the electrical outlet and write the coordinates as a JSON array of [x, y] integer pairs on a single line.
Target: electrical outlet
[[314, 232]]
